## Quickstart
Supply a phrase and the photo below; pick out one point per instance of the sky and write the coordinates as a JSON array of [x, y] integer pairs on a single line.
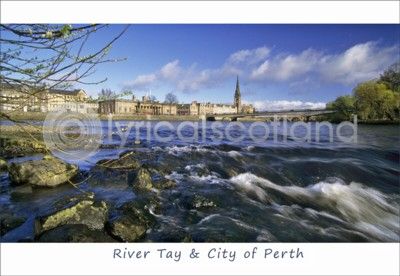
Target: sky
[[279, 66]]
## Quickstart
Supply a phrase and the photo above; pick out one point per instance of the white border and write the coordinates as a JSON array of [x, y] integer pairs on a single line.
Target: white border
[[97, 259], [200, 12]]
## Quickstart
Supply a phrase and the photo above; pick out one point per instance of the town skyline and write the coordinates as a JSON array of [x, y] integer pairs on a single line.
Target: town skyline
[[201, 62]]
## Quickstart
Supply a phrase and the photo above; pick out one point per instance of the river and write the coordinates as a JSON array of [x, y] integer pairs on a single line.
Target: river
[[275, 189]]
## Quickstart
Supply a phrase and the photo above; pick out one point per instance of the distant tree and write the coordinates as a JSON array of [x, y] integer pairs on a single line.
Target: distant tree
[[171, 98], [391, 77], [373, 100], [344, 105], [107, 94]]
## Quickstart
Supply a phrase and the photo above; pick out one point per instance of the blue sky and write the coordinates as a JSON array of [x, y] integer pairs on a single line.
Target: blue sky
[[279, 66]]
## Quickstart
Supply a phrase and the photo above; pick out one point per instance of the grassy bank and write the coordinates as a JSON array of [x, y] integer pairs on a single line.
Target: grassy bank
[[41, 116]]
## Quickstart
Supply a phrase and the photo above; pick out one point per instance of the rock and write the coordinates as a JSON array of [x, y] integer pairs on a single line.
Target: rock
[[88, 212], [74, 233], [165, 184], [118, 172], [48, 157], [44, 173], [198, 202], [9, 222], [160, 181], [3, 165], [126, 161], [127, 228], [134, 221], [142, 180], [12, 147]]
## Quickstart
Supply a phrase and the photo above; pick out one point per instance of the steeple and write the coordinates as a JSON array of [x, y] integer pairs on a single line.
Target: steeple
[[237, 99], [237, 91]]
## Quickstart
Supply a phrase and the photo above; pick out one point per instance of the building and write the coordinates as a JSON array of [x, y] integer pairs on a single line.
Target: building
[[237, 100], [144, 107], [188, 109], [20, 98], [196, 108], [75, 100], [40, 99], [117, 106]]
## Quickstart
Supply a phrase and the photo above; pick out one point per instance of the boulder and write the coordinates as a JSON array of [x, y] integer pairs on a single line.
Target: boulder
[[3, 165], [48, 172], [134, 221], [127, 228], [160, 181], [142, 179], [118, 172], [126, 161], [165, 184], [9, 222], [12, 147], [88, 212], [74, 233]]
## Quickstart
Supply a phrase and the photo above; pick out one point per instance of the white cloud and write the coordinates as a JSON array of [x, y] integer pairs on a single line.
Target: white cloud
[[249, 56], [171, 70], [286, 105], [142, 81], [286, 67], [358, 63]]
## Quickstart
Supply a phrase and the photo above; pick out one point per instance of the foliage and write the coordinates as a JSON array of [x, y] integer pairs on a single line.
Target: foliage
[[106, 94], [391, 77], [371, 100], [344, 105], [171, 98], [375, 101]]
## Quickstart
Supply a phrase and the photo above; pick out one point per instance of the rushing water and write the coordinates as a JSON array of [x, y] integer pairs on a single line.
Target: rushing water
[[273, 190]]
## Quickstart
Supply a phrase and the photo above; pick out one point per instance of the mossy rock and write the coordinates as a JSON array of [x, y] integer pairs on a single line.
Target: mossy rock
[[74, 233], [88, 212], [49, 172], [142, 179]]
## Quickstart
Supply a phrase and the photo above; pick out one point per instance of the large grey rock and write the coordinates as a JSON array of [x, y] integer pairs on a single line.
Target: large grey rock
[[116, 171], [48, 172], [127, 228], [134, 221], [74, 233], [88, 212]]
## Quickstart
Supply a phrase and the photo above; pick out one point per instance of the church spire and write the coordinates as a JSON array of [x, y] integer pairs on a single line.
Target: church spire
[[237, 91], [237, 99]]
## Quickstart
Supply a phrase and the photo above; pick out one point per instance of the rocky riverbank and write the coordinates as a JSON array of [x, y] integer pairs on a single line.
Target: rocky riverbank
[[83, 217]]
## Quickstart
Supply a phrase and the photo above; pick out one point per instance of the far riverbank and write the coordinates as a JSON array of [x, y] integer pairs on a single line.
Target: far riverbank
[[41, 116]]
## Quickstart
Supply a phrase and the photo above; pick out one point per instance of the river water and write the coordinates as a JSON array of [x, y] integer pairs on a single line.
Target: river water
[[275, 189]]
